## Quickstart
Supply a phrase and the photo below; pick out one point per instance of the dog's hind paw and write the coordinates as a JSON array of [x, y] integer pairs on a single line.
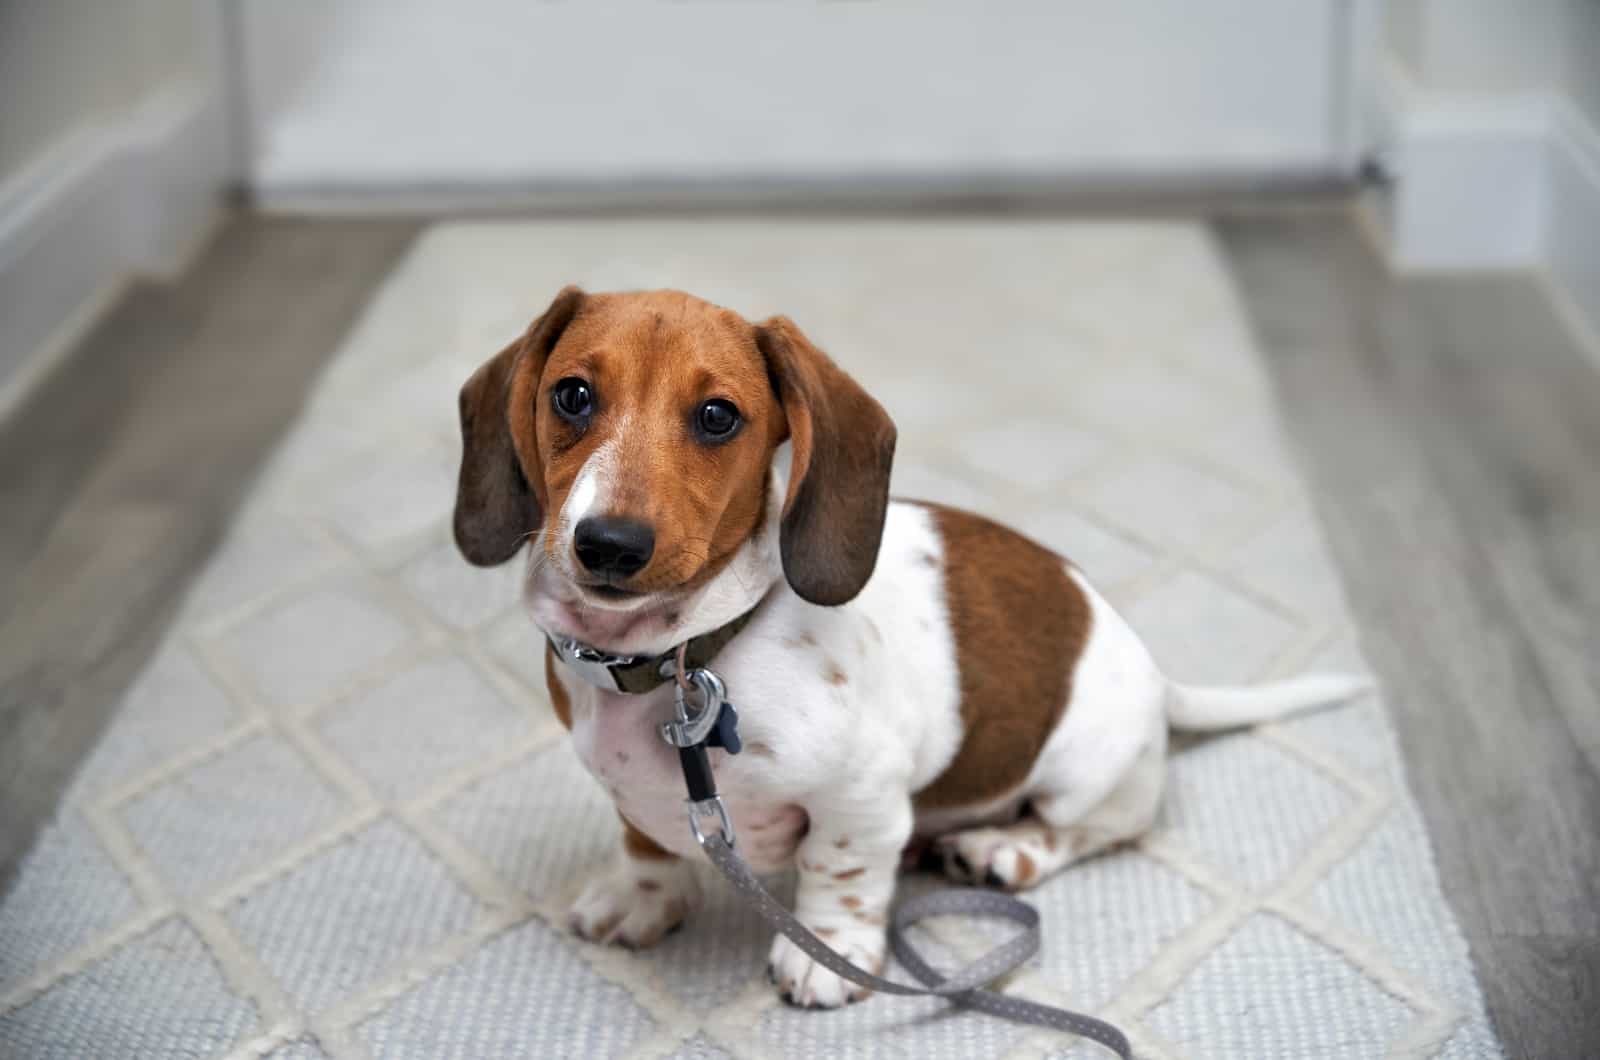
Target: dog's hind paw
[[1008, 858]]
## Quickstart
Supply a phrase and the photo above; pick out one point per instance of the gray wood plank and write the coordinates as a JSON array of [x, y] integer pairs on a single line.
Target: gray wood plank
[[119, 476], [1450, 430]]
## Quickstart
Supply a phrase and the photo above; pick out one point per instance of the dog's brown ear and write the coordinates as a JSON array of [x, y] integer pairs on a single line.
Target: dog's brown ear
[[843, 446], [500, 490]]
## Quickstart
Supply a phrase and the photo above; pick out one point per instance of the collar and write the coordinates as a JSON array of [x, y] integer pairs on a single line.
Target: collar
[[635, 674]]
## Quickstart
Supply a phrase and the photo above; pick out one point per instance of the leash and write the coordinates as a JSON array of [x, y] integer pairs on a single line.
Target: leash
[[714, 723]]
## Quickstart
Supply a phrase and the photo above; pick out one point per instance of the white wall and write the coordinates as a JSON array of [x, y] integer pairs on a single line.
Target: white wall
[[1402, 32], [375, 94], [1572, 220], [1488, 45], [1580, 72], [68, 64], [112, 157]]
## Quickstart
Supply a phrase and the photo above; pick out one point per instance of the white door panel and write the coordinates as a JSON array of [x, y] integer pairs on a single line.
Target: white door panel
[[386, 93]]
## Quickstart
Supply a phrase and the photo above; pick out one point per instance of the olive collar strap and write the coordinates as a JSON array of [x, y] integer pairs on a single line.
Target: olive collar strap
[[637, 674]]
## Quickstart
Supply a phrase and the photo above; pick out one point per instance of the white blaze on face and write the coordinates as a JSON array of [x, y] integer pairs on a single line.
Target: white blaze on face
[[590, 490], [584, 492]]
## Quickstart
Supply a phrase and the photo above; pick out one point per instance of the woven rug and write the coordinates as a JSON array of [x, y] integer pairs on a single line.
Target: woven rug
[[335, 816]]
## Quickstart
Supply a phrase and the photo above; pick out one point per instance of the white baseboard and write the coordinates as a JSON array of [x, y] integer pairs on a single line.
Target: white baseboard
[[1466, 177], [1487, 182], [41, 362], [1572, 222], [115, 200]]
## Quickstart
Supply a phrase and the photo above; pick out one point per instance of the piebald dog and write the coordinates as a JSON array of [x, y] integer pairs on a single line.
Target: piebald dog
[[907, 674]]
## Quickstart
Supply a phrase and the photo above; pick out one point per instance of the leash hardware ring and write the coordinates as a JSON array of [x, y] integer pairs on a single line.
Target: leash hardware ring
[[687, 730], [712, 807]]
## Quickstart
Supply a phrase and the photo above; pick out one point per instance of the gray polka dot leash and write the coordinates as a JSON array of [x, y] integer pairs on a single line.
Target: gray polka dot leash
[[714, 723], [963, 987]]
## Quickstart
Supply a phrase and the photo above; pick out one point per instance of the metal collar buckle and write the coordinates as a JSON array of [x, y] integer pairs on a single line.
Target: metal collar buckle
[[592, 664]]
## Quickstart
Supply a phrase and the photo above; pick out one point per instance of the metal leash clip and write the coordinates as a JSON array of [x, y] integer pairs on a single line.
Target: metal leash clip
[[686, 729], [711, 722], [712, 807]]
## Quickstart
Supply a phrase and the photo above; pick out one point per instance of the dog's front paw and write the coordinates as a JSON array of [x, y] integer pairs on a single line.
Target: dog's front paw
[[803, 982], [635, 906]]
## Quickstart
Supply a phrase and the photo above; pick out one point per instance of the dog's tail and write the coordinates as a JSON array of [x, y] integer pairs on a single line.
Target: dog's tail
[[1204, 709]]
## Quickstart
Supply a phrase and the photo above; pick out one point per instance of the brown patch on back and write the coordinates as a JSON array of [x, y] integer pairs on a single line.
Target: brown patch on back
[[1019, 624], [1026, 869], [560, 702], [850, 874], [835, 675], [850, 901], [638, 845]]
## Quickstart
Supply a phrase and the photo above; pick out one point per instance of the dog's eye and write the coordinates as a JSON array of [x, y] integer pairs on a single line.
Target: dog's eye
[[573, 399], [717, 419]]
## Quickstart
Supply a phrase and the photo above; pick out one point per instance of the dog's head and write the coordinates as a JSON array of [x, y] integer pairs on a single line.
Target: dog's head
[[630, 438]]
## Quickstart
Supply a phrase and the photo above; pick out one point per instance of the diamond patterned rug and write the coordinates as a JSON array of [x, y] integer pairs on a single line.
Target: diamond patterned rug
[[336, 818]]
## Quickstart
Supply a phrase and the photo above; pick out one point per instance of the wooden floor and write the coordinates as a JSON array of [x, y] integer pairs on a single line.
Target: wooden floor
[[1451, 432], [119, 475]]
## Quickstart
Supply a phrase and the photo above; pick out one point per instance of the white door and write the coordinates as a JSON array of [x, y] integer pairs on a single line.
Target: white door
[[397, 94]]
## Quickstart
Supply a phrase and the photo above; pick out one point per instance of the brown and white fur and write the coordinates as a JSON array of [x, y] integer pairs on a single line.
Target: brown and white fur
[[911, 673]]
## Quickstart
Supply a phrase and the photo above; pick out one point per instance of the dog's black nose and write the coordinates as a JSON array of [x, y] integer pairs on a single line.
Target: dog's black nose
[[607, 545]]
